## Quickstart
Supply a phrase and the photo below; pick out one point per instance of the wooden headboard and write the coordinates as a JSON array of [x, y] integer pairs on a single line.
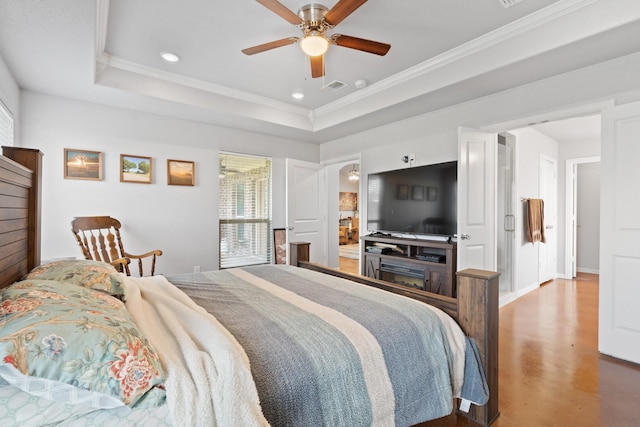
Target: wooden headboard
[[19, 212]]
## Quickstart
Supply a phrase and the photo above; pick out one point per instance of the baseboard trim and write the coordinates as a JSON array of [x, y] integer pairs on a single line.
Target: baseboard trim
[[587, 270], [524, 291]]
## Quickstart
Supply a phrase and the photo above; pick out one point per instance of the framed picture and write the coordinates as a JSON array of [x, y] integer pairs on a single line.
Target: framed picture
[[82, 164], [135, 169], [432, 194], [348, 201], [280, 245], [402, 192], [417, 192], [180, 172]]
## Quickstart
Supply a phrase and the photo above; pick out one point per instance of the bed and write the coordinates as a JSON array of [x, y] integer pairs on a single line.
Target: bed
[[337, 360]]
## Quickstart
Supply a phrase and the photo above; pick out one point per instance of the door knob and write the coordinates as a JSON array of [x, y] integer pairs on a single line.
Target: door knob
[[290, 227], [465, 236]]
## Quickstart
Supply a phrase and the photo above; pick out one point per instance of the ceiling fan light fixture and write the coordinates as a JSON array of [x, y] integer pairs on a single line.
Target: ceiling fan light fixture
[[314, 44]]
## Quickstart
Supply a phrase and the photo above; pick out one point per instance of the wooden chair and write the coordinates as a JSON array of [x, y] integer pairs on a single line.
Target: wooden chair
[[99, 240], [355, 225], [343, 235]]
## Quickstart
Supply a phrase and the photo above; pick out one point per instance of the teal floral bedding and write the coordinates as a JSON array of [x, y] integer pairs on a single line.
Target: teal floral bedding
[[74, 344], [87, 273]]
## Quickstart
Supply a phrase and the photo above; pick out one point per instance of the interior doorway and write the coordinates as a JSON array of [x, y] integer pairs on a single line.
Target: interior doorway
[[577, 132], [583, 215], [349, 217]]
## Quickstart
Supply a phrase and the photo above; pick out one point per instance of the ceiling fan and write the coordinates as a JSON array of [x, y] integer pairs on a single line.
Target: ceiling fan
[[314, 20]]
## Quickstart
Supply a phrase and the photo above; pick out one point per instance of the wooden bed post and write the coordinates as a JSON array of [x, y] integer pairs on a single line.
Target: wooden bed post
[[478, 317]]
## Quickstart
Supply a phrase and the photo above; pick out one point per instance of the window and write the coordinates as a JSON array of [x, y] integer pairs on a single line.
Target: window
[[6, 126], [245, 210]]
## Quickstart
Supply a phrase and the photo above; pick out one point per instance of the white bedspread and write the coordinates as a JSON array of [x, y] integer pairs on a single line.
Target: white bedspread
[[203, 361]]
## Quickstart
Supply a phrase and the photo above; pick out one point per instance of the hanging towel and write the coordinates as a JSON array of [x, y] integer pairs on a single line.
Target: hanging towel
[[535, 220]]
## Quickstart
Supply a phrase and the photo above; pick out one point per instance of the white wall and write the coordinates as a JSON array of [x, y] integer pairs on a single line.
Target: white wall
[[10, 96], [182, 221], [588, 218]]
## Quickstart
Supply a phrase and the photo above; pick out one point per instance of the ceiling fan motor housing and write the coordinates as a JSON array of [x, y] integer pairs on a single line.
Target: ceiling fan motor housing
[[313, 16]]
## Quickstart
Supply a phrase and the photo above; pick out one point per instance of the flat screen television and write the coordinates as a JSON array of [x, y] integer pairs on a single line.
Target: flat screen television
[[419, 200]]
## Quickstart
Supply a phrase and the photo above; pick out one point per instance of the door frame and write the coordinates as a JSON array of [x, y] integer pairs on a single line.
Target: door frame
[[561, 114], [332, 171]]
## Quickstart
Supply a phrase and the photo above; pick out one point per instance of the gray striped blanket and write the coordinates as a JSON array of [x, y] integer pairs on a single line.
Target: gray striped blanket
[[324, 351]]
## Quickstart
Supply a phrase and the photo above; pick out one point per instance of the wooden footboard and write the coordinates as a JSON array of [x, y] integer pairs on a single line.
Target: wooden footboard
[[475, 309]]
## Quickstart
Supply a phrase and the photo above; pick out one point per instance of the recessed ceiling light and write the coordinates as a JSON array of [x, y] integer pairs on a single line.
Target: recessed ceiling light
[[297, 95], [170, 57]]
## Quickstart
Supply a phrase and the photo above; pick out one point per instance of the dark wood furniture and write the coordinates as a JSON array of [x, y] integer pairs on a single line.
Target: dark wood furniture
[[32, 160], [20, 185], [475, 309], [424, 264], [99, 239]]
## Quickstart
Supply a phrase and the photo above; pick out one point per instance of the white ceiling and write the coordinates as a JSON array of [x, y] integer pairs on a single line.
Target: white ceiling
[[578, 129], [443, 52]]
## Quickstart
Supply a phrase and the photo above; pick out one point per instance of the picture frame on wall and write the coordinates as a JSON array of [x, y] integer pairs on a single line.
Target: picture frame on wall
[[280, 245], [432, 194], [137, 169], [181, 172], [402, 192], [417, 192], [348, 201], [82, 164]]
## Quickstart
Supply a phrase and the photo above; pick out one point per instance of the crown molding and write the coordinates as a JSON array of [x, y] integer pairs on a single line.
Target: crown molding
[[154, 73], [510, 43], [493, 38]]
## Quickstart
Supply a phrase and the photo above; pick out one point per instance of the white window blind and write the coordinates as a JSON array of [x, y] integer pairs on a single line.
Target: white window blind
[[245, 210], [6, 126]]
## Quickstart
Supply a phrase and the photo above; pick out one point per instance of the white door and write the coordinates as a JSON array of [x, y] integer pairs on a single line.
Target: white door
[[306, 207], [547, 253], [619, 322], [476, 199]]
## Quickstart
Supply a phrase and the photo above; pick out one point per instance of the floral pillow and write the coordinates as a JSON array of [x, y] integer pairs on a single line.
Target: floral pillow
[[64, 333], [90, 274]]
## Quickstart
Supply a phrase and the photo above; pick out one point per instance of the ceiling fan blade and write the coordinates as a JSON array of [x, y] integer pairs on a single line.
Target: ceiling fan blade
[[317, 66], [364, 45], [268, 46], [281, 10], [341, 10]]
